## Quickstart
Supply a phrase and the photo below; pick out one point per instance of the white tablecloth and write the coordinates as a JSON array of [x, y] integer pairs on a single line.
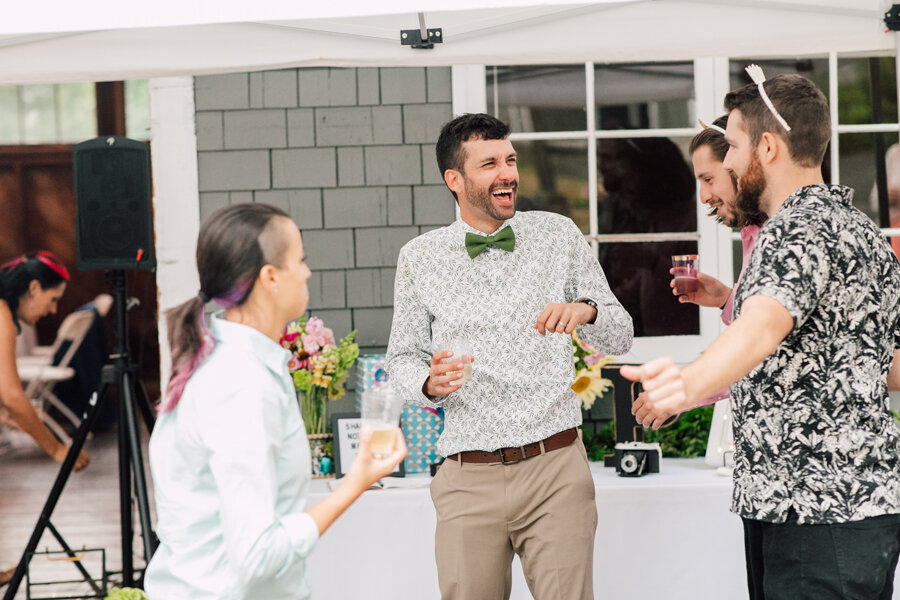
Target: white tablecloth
[[667, 535]]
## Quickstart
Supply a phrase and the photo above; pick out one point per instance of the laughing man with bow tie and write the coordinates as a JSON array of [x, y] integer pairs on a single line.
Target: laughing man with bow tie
[[514, 286]]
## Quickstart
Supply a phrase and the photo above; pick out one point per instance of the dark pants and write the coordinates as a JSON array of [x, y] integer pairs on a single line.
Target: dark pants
[[787, 561]]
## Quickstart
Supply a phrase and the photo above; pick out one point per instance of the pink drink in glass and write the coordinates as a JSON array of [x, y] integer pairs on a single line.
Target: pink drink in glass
[[685, 268]]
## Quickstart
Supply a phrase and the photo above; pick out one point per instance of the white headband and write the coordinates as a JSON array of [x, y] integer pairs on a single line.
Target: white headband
[[713, 127], [756, 74]]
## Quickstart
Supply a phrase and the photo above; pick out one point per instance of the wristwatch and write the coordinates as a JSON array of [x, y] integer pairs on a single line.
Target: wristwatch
[[592, 304]]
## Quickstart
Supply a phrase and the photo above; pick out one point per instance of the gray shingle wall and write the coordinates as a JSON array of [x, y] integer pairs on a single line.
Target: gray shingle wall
[[349, 154]]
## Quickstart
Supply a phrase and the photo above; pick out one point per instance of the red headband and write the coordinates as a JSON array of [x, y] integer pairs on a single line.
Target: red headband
[[11, 264], [45, 258], [48, 259]]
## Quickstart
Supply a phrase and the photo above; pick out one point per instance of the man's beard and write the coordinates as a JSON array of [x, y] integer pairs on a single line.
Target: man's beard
[[752, 186], [738, 217], [732, 220], [483, 200]]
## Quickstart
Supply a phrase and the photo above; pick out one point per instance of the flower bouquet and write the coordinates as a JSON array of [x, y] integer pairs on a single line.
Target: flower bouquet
[[589, 381], [319, 368]]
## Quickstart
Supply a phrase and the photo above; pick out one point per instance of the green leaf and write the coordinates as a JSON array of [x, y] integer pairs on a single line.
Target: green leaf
[[687, 437], [602, 443], [126, 594]]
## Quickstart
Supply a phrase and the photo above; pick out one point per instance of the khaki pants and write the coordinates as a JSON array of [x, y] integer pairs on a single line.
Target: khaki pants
[[542, 509]]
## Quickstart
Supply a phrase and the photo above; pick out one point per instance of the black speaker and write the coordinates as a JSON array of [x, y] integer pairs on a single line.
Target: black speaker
[[114, 224]]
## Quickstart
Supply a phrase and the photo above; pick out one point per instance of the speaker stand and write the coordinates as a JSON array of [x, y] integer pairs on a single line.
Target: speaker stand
[[132, 398]]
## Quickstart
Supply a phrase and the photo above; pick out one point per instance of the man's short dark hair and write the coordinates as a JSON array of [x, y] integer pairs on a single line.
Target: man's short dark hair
[[802, 105], [462, 129], [713, 138]]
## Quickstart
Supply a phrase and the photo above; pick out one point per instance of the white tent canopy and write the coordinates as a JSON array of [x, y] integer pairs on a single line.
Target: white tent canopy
[[98, 40], [168, 41]]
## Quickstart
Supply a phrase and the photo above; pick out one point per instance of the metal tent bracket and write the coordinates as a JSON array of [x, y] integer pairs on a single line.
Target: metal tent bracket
[[421, 38]]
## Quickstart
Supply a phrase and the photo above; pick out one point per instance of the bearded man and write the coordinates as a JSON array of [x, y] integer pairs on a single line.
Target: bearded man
[[516, 479], [813, 349], [718, 190]]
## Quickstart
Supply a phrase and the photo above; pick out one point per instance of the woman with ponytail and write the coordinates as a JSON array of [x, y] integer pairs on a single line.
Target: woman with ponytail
[[30, 288], [229, 454]]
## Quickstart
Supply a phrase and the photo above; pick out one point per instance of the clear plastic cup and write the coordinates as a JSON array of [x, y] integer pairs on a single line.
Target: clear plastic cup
[[380, 409], [462, 351]]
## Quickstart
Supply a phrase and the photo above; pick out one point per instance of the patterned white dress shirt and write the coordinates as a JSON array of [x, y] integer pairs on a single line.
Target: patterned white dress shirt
[[520, 389]]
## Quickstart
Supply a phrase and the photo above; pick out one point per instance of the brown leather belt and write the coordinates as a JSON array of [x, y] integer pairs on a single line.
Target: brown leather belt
[[508, 456]]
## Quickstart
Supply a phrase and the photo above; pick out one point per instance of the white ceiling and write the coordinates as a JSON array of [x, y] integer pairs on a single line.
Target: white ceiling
[[96, 40]]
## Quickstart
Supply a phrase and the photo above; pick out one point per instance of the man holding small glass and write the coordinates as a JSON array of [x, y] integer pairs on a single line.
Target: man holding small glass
[[718, 190], [513, 287]]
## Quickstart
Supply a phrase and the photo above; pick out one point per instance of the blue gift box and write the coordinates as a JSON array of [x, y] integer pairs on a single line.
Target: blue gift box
[[369, 369], [421, 427]]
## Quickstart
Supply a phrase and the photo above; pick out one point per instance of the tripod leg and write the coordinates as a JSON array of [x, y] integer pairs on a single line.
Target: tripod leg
[[143, 403], [56, 491], [71, 554], [140, 482], [127, 529]]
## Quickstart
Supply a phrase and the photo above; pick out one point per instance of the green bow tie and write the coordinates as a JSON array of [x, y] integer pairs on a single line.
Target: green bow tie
[[504, 239]]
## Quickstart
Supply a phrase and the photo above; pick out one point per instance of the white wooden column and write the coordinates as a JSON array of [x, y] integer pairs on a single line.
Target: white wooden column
[[176, 202]]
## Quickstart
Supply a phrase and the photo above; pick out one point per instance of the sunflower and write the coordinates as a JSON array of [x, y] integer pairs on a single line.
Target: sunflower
[[588, 385]]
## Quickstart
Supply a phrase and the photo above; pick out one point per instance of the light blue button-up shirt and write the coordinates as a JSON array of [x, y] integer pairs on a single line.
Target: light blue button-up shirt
[[231, 472]]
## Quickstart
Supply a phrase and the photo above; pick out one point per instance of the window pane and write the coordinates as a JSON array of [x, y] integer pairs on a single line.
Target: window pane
[[538, 98], [644, 96], [137, 109], [38, 114], [553, 176], [859, 155], [9, 115], [814, 69], [867, 90], [645, 186], [77, 107], [638, 275]]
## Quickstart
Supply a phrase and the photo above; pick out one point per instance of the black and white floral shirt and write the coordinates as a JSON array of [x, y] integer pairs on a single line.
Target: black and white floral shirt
[[812, 427], [519, 391]]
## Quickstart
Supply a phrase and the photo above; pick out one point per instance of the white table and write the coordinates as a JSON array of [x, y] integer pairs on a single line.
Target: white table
[[668, 535]]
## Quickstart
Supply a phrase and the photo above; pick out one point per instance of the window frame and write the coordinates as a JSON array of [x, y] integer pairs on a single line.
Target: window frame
[[715, 241], [470, 95]]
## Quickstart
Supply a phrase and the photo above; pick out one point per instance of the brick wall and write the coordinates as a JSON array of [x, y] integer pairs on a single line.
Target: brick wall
[[349, 154]]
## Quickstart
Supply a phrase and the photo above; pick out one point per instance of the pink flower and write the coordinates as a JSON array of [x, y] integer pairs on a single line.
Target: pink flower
[[317, 336], [316, 327], [311, 343], [293, 364], [592, 359]]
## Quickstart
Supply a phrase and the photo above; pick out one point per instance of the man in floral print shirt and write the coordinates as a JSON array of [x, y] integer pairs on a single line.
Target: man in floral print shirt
[[516, 479], [817, 455]]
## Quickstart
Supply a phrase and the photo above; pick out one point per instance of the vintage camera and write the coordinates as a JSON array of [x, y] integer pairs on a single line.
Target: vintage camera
[[633, 459]]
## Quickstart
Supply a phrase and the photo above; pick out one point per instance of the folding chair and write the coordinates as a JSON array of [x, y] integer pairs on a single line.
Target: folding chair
[[43, 355], [39, 376]]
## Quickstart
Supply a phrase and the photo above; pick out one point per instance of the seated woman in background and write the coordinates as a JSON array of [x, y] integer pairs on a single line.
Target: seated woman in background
[[30, 288], [229, 453]]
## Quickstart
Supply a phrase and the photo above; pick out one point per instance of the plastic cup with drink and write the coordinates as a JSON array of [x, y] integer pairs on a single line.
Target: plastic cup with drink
[[462, 352], [380, 409], [685, 268]]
